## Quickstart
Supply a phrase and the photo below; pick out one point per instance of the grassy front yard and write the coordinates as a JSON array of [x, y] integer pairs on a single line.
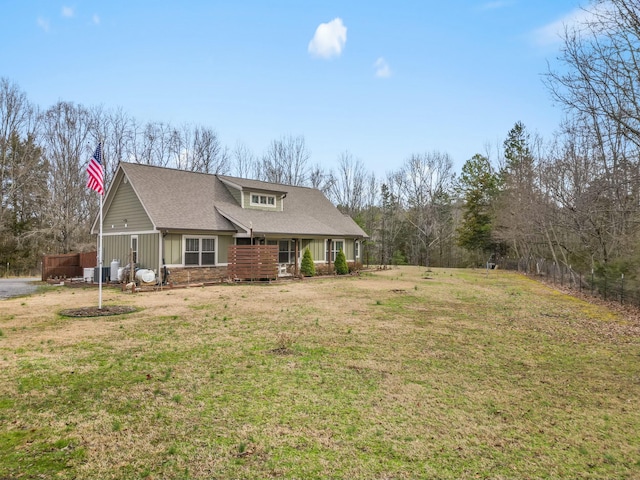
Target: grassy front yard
[[405, 373]]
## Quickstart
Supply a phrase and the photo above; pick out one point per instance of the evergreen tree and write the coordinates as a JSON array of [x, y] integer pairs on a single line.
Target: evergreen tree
[[517, 152], [340, 263], [520, 207], [307, 267], [479, 187]]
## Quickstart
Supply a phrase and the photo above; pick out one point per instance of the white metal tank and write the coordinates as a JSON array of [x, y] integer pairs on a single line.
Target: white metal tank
[[146, 276], [115, 265]]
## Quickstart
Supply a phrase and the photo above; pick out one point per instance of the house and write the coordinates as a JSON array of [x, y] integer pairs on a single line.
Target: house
[[187, 221]]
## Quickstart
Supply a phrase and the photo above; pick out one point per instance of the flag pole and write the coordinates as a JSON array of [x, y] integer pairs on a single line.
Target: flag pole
[[101, 197], [95, 171]]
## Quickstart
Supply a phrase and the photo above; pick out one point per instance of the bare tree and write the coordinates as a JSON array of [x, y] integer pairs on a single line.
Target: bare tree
[[244, 161], [16, 114], [208, 153], [593, 174], [600, 57], [18, 120], [116, 130], [425, 182], [154, 144], [285, 161], [23, 177], [371, 217], [347, 191], [68, 145], [392, 225], [180, 139], [321, 179], [596, 191]]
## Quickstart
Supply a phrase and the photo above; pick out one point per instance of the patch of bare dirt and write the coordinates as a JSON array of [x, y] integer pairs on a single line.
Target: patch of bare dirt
[[94, 311], [281, 351]]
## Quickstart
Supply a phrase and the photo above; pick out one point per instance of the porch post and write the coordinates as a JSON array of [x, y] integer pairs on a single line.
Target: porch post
[[160, 255]]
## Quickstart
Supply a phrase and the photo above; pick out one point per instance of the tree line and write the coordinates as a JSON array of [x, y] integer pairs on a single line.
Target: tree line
[[573, 199], [45, 207]]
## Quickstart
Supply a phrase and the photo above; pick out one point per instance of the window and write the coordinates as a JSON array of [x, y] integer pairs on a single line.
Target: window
[[336, 246], [284, 251], [208, 255], [200, 251], [356, 247], [261, 200], [134, 248]]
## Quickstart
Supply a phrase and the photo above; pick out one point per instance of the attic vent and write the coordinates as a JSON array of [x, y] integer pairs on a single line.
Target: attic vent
[[126, 180]]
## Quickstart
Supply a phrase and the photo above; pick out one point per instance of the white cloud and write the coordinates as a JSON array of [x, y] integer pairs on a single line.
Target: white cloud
[[43, 23], [96, 19], [382, 68], [329, 39], [552, 33], [67, 12]]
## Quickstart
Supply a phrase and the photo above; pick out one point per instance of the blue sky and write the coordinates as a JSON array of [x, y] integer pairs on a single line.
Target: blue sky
[[379, 79]]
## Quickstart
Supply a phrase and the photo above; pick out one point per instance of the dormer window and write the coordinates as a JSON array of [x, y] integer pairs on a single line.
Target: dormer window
[[262, 200]]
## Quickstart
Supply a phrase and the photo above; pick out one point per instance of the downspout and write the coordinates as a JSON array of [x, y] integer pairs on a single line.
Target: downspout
[[160, 255]]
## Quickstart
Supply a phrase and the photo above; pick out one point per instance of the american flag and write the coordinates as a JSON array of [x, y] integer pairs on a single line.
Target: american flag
[[96, 175]]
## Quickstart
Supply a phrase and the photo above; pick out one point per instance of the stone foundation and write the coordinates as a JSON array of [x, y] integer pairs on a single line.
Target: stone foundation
[[197, 275], [183, 276]]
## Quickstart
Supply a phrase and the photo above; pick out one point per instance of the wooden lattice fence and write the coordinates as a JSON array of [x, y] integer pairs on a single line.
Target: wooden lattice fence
[[67, 265], [253, 262]]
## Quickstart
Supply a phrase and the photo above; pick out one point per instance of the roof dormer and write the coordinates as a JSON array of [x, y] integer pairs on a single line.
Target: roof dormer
[[251, 194]]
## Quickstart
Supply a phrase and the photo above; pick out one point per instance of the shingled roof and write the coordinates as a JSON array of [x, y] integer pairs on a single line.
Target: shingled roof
[[177, 199]]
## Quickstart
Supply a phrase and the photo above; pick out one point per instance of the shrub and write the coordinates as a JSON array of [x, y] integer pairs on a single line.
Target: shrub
[[307, 267], [341, 263]]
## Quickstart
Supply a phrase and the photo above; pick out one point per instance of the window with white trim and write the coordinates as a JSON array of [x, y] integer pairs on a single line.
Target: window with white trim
[[286, 252], [199, 251], [134, 248], [356, 247], [336, 246], [263, 200], [285, 255]]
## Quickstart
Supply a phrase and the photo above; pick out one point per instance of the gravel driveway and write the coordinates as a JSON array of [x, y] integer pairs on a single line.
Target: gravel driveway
[[12, 287]]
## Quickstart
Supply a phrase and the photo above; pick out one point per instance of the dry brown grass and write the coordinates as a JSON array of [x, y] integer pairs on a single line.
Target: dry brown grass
[[390, 375]]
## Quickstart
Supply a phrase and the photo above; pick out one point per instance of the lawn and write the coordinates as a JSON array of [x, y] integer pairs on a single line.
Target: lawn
[[403, 373]]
